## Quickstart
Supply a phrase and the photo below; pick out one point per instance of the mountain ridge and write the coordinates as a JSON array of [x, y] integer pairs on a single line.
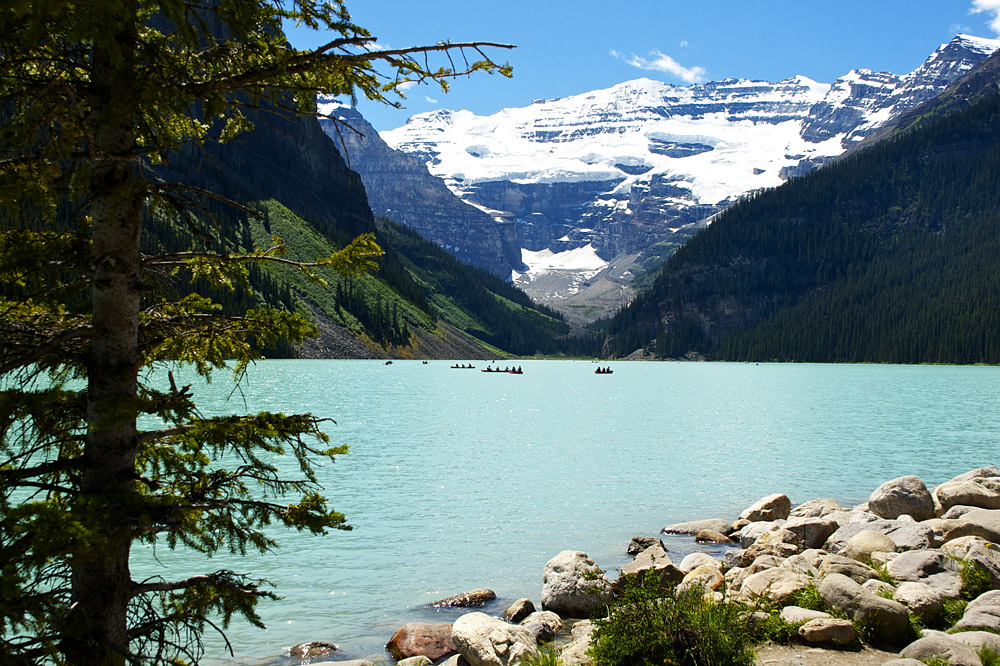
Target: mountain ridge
[[645, 162]]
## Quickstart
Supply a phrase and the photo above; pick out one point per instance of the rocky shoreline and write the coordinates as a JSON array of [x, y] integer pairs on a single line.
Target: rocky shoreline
[[908, 558]]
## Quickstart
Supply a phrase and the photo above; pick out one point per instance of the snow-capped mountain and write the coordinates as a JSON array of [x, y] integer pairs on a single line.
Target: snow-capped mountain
[[644, 162]]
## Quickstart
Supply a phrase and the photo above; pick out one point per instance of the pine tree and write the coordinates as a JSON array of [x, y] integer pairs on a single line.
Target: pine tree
[[94, 98]]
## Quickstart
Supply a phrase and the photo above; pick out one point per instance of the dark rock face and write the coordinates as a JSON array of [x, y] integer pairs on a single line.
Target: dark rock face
[[400, 187]]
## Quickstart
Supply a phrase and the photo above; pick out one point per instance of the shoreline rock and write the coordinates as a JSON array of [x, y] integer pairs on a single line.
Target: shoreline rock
[[918, 538]]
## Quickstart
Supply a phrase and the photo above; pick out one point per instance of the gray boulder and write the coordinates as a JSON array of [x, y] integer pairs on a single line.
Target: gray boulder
[[838, 564], [576, 652], [780, 543], [861, 546], [695, 560], [518, 610], [941, 646], [653, 559], [948, 583], [779, 584], [905, 495], [816, 508], [914, 565], [979, 488], [799, 615], [543, 625], [641, 543], [772, 507], [829, 630], [695, 526], [906, 535], [983, 612], [921, 599], [705, 578], [812, 532], [977, 640], [573, 585], [889, 620], [750, 532], [487, 641]]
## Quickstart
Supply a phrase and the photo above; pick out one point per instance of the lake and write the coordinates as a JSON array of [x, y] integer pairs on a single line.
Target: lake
[[458, 479]]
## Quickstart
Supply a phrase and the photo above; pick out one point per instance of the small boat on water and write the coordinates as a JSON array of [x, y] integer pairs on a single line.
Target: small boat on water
[[464, 367], [604, 371], [507, 371]]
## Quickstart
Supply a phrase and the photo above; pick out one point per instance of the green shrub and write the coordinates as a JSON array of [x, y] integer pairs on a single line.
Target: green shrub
[[809, 598], [648, 625], [975, 580], [989, 657]]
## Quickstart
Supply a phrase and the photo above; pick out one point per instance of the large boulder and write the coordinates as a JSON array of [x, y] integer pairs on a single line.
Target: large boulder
[[772, 507], [838, 564], [705, 578], [641, 543], [487, 641], [577, 651], [861, 546], [906, 495], [812, 532], [798, 615], [544, 625], [780, 543], [780, 584], [983, 612], [936, 645], [920, 599], [979, 488], [415, 638], [695, 526], [573, 585], [695, 560], [984, 523], [518, 610], [816, 508], [832, 631], [653, 559], [915, 565], [750, 532], [888, 619], [906, 535]]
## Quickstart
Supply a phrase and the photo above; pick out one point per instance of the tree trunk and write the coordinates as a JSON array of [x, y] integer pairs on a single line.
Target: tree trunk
[[97, 630]]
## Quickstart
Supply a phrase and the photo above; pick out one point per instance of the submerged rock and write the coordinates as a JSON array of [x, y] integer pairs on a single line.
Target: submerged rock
[[470, 599]]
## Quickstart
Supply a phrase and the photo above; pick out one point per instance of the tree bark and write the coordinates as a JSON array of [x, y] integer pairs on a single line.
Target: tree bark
[[101, 581]]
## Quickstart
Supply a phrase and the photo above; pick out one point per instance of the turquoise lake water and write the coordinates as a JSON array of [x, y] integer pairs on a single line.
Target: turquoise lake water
[[457, 479]]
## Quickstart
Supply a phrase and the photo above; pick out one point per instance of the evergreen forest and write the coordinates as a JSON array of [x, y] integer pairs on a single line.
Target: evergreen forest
[[889, 255]]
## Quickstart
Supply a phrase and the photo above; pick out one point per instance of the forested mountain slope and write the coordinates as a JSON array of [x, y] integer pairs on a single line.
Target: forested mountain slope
[[889, 255], [288, 172]]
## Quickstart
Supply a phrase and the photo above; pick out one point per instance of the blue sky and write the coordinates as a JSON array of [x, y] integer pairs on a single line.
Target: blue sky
[[566, 47]]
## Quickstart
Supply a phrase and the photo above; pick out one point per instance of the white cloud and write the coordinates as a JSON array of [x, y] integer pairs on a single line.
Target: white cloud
[[431, 100], [684, 44], [988, 7], [661, 62]]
